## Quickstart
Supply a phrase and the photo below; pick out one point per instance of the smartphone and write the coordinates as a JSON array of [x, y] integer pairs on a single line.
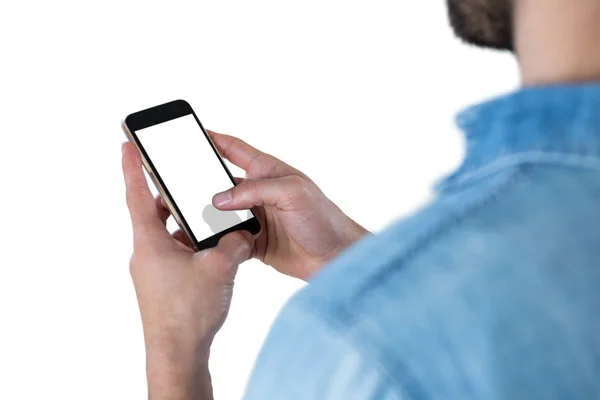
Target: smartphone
[[187, 170]]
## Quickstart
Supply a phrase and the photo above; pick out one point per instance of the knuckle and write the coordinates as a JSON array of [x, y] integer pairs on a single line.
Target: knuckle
[[296, 180], [247, 186], [132, 265], [218, 257], [239, 240], [301, 189], [253, 184], [272, 166], [255, 166], [299, 184]]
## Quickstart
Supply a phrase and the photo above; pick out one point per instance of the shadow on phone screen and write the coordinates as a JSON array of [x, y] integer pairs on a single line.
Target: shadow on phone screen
[[219, 220]]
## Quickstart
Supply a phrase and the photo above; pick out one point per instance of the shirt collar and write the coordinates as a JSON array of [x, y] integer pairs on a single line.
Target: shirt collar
[[550, 120]]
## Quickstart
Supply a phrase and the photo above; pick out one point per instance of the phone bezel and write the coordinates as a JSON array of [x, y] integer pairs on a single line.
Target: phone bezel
[[161, 114]]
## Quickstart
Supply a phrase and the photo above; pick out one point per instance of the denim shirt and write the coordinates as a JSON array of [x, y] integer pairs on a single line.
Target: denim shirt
[[492, 291]]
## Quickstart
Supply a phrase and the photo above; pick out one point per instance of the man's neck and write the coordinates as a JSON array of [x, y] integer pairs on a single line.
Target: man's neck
[[558, 41]]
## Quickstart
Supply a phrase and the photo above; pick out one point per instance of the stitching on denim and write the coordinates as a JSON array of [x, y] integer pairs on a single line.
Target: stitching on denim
[[442, 227], [353, 309], [532, 157], [342, 326]]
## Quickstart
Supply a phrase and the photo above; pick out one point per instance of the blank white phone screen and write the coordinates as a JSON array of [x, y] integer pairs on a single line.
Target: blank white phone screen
[[192, 173]]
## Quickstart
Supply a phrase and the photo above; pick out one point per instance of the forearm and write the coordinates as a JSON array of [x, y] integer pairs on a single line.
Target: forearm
[[177, 375]]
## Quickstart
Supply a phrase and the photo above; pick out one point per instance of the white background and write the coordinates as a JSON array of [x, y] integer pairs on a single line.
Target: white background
[[359, 95]]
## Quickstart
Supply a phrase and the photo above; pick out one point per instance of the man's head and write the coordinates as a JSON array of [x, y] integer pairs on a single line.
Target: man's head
[[487, 23]]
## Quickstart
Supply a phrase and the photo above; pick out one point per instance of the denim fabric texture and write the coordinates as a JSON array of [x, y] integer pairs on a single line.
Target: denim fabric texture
[[492, 291]]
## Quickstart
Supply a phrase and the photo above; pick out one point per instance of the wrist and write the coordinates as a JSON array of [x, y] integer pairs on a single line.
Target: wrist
[[178, 372], [357, 233], [352, 234]]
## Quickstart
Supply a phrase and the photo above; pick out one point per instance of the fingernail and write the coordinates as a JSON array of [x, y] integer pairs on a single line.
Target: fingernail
[[222, 199], [123, 148]]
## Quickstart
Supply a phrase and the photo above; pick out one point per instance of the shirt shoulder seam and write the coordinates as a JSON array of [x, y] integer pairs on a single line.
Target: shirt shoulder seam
[[335, 333], [349, 311], [452, 220], [532, 158]]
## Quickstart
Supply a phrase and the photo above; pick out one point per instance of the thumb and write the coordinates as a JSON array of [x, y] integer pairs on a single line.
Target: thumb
[[237, 246], [283, 193], [224, 259]]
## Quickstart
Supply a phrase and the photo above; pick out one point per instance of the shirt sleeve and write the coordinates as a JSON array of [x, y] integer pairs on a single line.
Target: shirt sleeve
[[303, 358]]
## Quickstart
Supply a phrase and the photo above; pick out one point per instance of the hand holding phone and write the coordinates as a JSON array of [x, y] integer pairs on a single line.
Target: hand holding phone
[[184, 296], [187, 170], [302, 228]]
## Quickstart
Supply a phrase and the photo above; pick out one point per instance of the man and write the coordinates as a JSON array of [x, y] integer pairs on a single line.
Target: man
[[491, 292]]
